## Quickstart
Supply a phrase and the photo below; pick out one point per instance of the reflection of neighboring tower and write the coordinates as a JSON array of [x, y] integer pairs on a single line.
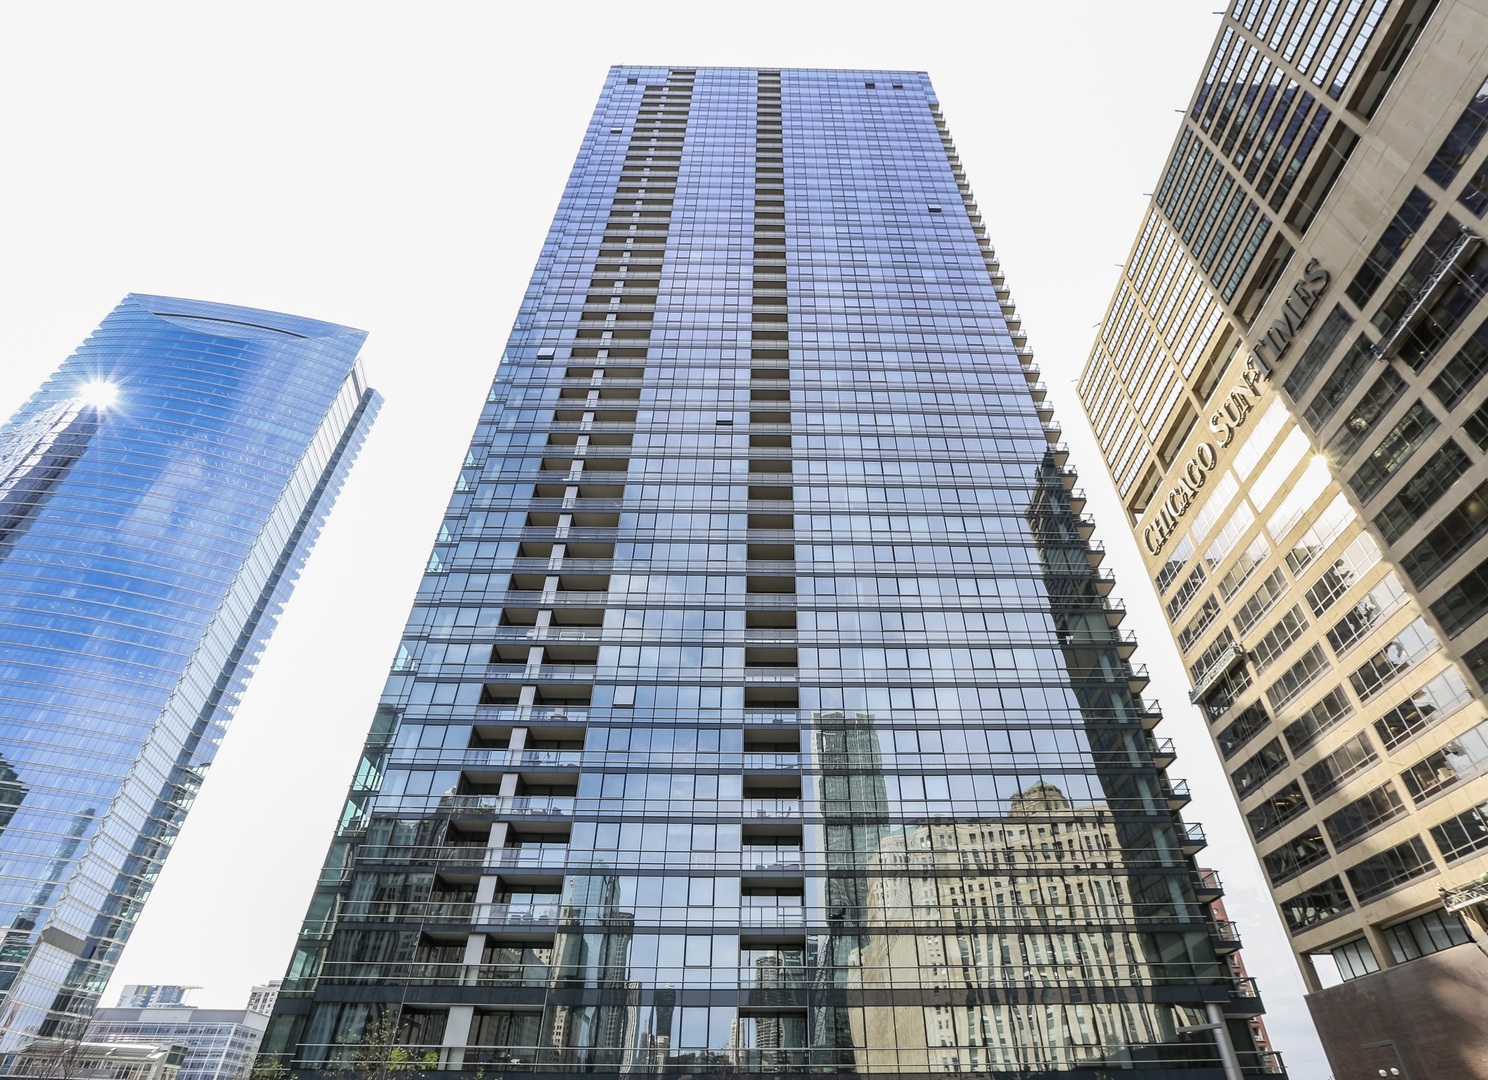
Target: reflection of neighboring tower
[[854, 804], [35, 454], [18, 940], [1032, 974], [591, 953], [12, 793], [664, 1015]]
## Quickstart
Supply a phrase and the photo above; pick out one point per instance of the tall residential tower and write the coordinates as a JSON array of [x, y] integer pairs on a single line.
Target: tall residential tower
[[158, 496], [762, 709], [1288, 391]]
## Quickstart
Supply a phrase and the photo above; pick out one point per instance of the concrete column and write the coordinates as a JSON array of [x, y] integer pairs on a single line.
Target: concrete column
[[456, 1035]]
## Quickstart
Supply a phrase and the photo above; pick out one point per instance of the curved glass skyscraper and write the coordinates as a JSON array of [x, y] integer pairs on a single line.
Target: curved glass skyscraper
[[158, 496], [762, 710]]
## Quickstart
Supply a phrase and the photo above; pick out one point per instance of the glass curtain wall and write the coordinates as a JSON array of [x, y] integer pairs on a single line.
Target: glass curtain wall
[[158, 496], [762, 708]]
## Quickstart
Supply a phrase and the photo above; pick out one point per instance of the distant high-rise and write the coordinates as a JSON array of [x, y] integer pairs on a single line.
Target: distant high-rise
[[762, 710], [154, 995], [262, 997], [1288, 391], [158, 496]]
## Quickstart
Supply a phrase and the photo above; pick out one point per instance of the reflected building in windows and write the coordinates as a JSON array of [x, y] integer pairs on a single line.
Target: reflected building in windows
[[158, 496], [765, 566]]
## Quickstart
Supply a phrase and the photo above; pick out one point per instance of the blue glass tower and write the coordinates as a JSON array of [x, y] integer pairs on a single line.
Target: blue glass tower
[[158, 496], [762, 710]]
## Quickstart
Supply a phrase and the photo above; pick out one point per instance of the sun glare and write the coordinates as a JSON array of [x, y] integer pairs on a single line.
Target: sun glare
[[99, 393]]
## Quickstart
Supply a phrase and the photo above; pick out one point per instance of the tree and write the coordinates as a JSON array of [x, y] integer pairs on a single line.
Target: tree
[[379, 1056]]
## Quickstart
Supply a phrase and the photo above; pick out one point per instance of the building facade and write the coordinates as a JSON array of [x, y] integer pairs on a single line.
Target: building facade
[[262, 997], [158, 496], [153, 995], [218, 1044], [1287, 392], [762, 708]]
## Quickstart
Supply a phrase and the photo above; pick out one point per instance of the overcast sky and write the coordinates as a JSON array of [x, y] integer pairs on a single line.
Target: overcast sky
[[394, 168]]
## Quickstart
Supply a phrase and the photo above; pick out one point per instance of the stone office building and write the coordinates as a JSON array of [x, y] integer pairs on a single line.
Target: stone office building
[[1287, 389]]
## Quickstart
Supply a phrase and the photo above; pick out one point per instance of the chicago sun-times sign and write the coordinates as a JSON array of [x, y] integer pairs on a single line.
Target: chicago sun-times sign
[[1233, 408]]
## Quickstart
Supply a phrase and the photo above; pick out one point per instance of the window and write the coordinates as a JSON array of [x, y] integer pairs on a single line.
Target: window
[[1317, 904], [1426, 934], [1462, 372], [1340, 383], [1463, 526], [1304, 850], [1241, 518], [1279, 469], [1254, 448], [1461, 141], [1189, 636], [1226, 691], [1336, 516], [1298, 677], [1250, 723], [1287, 630], [1355, 958], [1302, 732], [1338, 578], [1390, 869], [1399, 443], [1328, 775], [1460, 836], [1371, 610], [1392, 243], [1276, 810], [1177, 559], [1464, 603], [1214, 506], [1462, 759], [1407, 648], [1244, 566], [1186, 592], [1362, 816], [1435, 701], [1335, 326], [1300, 499], [1260, 602], [1257, 769], [1421, 491], [1387, 390]]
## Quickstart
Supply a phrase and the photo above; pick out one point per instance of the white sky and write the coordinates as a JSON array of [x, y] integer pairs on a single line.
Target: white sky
[[394, 167]]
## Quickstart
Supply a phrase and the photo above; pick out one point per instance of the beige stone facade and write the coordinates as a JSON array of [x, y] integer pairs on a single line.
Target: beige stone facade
[[1288, 392]]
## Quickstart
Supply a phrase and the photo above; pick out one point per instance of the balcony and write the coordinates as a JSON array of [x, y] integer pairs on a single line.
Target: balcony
[[1245, 999], [1225, 935], [1207, 886], [1138, 680], [1163, 753], [1178, 795], [1152, 715], [1192, 838]]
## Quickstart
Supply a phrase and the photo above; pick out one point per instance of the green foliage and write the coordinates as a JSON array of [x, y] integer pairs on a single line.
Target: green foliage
[[379, 1057]]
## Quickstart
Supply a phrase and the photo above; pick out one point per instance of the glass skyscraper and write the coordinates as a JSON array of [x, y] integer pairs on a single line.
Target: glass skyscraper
[[762, 708], [158, 496]]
